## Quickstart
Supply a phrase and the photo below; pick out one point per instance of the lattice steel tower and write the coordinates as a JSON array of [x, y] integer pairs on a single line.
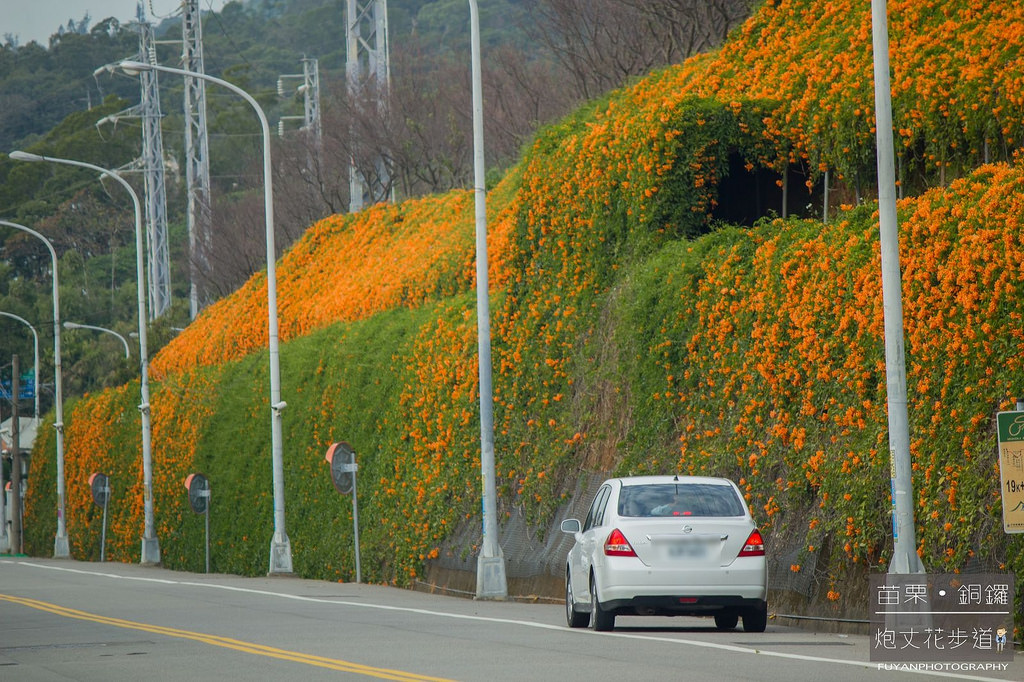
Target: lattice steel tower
[[311, 100], [367, 70], [310, 90], [197, 154], [152, 164]]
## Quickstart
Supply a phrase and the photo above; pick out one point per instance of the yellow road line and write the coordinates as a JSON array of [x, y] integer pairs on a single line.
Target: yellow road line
[[226, 642]]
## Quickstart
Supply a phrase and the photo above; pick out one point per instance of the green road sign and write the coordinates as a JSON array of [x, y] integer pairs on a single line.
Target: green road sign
[[1011, 469]]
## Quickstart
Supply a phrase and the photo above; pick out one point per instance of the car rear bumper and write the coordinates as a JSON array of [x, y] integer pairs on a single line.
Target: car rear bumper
[[682, 605], [623, 580]]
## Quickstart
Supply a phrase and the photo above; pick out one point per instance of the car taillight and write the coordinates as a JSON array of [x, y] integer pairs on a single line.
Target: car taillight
[[618, 545], [754, 546]]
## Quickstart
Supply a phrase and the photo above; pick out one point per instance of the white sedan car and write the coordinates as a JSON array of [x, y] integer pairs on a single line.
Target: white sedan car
[[666, 545]]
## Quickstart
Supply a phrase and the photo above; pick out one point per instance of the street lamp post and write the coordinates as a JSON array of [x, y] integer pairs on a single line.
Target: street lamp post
[[60, 540], [905, 559], [280, 546], [490, 568], [150, 544], [75, 325]]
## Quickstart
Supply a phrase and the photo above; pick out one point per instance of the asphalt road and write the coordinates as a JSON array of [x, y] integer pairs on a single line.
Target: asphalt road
[[65, 620]]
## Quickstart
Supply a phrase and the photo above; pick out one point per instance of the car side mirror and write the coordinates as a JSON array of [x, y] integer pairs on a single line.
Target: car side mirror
[[571, 526]]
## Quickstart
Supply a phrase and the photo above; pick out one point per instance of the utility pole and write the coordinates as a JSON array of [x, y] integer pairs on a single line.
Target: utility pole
[[16, 543], [5, 538], [197, 154]]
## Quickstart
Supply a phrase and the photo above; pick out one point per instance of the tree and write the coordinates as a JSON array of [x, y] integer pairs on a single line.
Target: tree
[[238, 246], [521, 93], [602, 43]]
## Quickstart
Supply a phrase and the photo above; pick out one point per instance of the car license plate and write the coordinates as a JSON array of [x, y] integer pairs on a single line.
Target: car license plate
[[686, 551]]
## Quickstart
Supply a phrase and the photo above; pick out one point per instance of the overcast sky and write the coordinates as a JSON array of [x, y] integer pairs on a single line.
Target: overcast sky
[[39, 19]]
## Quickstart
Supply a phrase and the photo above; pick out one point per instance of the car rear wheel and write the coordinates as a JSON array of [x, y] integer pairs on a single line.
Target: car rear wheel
[[726, 620], [575, 619], [755, 619], [600, 620]]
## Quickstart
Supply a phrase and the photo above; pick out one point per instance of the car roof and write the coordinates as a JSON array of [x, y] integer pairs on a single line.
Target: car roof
[[671, 479]]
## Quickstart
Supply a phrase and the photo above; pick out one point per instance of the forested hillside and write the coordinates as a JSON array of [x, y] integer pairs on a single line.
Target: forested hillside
[[634, 331], [52, 103]]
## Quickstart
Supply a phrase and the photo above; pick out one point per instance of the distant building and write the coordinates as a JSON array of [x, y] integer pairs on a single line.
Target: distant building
[[26, 435]]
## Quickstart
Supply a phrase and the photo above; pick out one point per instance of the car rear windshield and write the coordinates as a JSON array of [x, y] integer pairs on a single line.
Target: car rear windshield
[[679, 499]]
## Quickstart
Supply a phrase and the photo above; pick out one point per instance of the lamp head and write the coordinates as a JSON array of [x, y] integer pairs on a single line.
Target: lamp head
[[71, 325], [25, 156], [132, 68]]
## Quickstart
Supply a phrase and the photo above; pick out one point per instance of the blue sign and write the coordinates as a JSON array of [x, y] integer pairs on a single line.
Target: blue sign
[[26, 390]]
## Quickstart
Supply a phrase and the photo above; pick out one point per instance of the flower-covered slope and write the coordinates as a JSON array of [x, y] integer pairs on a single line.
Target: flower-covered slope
[[628, 334]]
